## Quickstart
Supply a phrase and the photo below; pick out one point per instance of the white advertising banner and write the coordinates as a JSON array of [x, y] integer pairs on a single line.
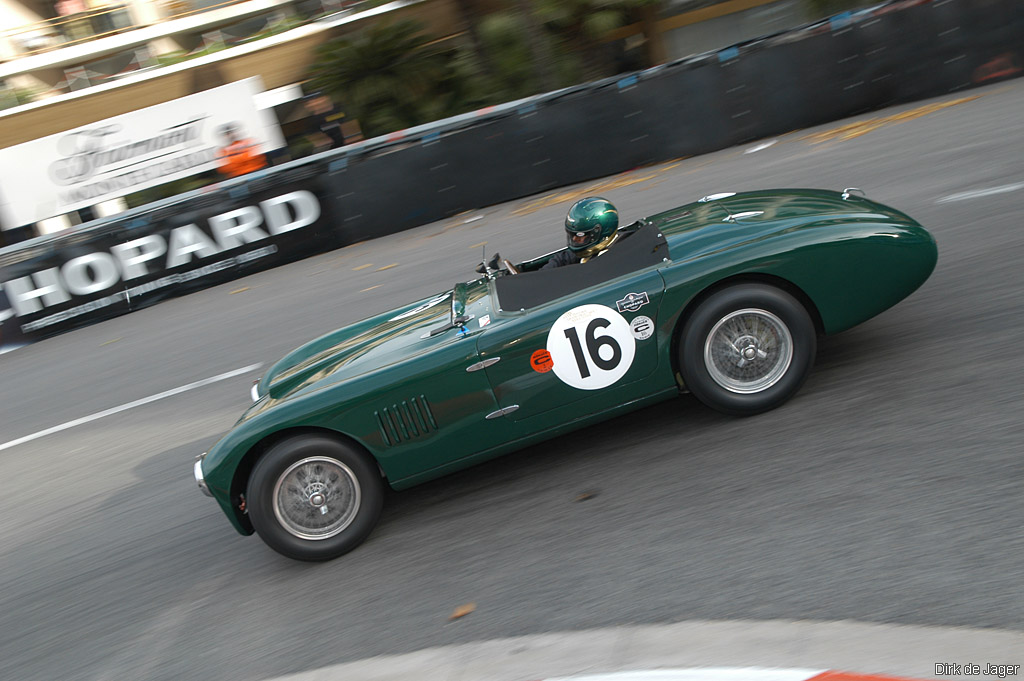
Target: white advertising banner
[[124, 154]]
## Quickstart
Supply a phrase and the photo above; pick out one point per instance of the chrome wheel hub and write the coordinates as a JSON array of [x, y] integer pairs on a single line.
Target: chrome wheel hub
[[316, 498], [748, 351]]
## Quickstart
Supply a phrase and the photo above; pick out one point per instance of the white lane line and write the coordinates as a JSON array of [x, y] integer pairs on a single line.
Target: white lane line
[[979, 193], [129, 405], [761, 147]]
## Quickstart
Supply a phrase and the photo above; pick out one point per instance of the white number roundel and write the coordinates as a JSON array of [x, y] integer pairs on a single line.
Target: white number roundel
[[591, 347]]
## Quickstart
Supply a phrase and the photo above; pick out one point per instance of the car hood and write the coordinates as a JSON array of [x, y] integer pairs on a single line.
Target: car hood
[[359, 348], [710, 221], [374, 343]]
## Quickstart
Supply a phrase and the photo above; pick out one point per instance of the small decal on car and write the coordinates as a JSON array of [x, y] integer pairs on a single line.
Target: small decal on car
[[591, 346], [485, 320], [541, 362], [632, 302], [642, 327]]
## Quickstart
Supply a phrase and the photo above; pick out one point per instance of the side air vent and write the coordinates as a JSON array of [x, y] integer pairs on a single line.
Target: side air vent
[[410, 419]]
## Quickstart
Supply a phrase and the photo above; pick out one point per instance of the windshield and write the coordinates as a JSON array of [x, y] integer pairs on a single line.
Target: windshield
[[470, 300], [643, 248]]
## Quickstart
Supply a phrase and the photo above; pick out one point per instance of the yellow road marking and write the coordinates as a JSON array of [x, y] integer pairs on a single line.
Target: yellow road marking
[[371, 288], [345, 248], [623, 180], [858, 128], [482, 243], [650, 186], [109, 342], [239, 290], [362, 267], [387, 267], [565, 197]]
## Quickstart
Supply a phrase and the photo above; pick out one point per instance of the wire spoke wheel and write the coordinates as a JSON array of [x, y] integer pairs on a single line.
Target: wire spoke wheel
[[316, 498], [748, 351], [747, 348]]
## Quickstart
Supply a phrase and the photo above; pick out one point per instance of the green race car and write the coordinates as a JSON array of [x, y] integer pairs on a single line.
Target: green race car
[[724, 297]]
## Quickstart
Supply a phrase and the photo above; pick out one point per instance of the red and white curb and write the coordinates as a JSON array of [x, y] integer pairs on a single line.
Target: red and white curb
[[731, 674], [752, 650]]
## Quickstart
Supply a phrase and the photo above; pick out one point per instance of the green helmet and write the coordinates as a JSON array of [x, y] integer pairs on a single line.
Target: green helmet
[[589, 222]]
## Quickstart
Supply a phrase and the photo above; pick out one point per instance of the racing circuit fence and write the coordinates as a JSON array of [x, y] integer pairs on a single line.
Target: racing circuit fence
[[853, 62]]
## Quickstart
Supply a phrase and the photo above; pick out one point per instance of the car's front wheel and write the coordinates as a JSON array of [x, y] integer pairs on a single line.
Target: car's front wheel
[[747, 349], [312, 497]]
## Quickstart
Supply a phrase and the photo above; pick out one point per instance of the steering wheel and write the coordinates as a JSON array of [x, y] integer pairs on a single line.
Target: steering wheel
[[509, 266]]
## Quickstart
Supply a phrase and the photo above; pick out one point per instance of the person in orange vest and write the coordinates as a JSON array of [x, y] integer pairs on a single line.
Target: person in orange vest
[[240, 155]]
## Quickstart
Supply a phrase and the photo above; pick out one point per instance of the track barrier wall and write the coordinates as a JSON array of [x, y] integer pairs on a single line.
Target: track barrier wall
[[851, 63]]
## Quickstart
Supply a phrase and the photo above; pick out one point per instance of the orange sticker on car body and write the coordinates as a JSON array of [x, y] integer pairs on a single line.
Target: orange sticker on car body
[[541, 362]]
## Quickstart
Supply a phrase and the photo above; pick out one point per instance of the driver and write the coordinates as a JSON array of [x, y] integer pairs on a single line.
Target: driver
[[590, 228]]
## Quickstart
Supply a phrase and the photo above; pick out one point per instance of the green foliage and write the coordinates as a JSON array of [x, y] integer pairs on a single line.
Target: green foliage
[[569, 36], [178, 56], [602, 23], [392, 76], [587, 19], [503, 37], [12, 97], [578, 26], [274, 29]]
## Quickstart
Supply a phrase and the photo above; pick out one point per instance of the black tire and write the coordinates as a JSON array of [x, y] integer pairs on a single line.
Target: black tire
[[295, 475], [733, 355]]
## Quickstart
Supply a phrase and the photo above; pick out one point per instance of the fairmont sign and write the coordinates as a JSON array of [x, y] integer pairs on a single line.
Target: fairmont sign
[[94, 163]]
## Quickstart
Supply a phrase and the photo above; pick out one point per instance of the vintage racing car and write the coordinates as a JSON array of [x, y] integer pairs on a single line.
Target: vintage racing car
[[724, 297]]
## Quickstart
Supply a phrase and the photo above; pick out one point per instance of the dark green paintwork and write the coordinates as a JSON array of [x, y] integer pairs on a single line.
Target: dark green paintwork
[[411, 403]]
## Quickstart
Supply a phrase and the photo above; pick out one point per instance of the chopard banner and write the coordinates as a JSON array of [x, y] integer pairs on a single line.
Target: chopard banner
[[10, 333], [105, 273], [70, 170]]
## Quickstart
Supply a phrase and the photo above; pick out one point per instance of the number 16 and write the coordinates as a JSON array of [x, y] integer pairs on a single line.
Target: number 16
[[594, 344]]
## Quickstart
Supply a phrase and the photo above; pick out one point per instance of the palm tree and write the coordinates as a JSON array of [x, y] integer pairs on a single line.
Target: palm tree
[[390, 76], [469, 16], [583, 24], [539, 45]]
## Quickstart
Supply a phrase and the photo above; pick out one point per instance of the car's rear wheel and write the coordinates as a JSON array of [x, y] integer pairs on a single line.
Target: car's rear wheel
[[312, 497], [747, 349]]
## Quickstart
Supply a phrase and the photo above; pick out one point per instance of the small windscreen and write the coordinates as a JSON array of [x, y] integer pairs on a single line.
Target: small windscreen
[[634, 251]]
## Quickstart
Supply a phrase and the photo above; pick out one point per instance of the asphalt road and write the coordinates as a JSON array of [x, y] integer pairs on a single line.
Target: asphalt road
[[888, 490]]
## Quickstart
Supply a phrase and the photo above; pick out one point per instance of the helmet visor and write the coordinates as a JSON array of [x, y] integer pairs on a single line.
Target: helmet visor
[[584, 238]]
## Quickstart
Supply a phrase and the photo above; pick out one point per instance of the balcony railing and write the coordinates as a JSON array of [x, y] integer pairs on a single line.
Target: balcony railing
[[62, 31], [81, 27], [110, 61]]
